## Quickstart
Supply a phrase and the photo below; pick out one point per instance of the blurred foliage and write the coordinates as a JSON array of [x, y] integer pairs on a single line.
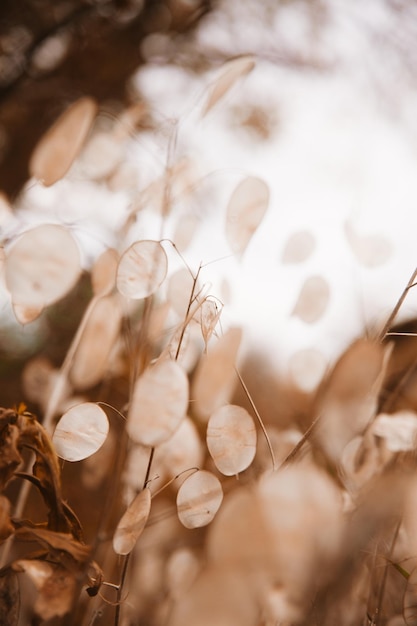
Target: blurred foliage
[[52, 53]]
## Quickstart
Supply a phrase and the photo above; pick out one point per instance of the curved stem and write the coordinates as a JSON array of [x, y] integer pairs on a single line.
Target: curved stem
[[258, 417], [411, 283]]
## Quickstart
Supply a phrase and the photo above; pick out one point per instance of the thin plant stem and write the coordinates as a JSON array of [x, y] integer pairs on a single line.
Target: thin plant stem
[[258, 417], [291, 456], [377, 612], [187, 313], [148, 469], [411, 283], [190, 469], [126, 560]]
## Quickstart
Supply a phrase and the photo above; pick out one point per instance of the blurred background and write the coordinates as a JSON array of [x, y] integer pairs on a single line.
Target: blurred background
[[326, 118]]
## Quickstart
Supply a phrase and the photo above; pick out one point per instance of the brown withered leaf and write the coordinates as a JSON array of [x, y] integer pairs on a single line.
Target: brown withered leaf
[[46, 472], [6, 528], [62, 547], [20, 429], [9, 599], [10, 457], [61, 517]]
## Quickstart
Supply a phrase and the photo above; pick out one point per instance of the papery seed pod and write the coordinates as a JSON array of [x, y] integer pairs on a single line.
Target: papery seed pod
[[60, 145], [159, 403], [231, 439], [91, 358], [142, 269], [229, 74], [245, 211], [298, 247], [132, 523], [215, 376], [348, 399], [80, 432], [199, 499], [313, 300], [41, 267]]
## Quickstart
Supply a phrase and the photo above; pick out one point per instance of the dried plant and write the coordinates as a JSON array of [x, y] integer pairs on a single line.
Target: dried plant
[[147, 492]]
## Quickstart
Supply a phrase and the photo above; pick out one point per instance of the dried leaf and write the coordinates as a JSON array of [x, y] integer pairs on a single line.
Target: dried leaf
[[46, 473], [41, 267], [9, 599], [199, 499], [80, 432], [132, 523], [103, 272], [312, 300], [6, 527], [61, 546], [142, 269], [229, 75], [245, 211], [298, 247], [231, 439], [91, 359], [10, 457], [215, 376], [159, 403], [59, 147]]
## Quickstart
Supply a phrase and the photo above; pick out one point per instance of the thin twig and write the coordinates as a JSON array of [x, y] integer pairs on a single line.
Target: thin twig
[[190, 301], [411, 283], [291, 456], [148, 469], [126, 560], [255, 410], [377, 612]]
